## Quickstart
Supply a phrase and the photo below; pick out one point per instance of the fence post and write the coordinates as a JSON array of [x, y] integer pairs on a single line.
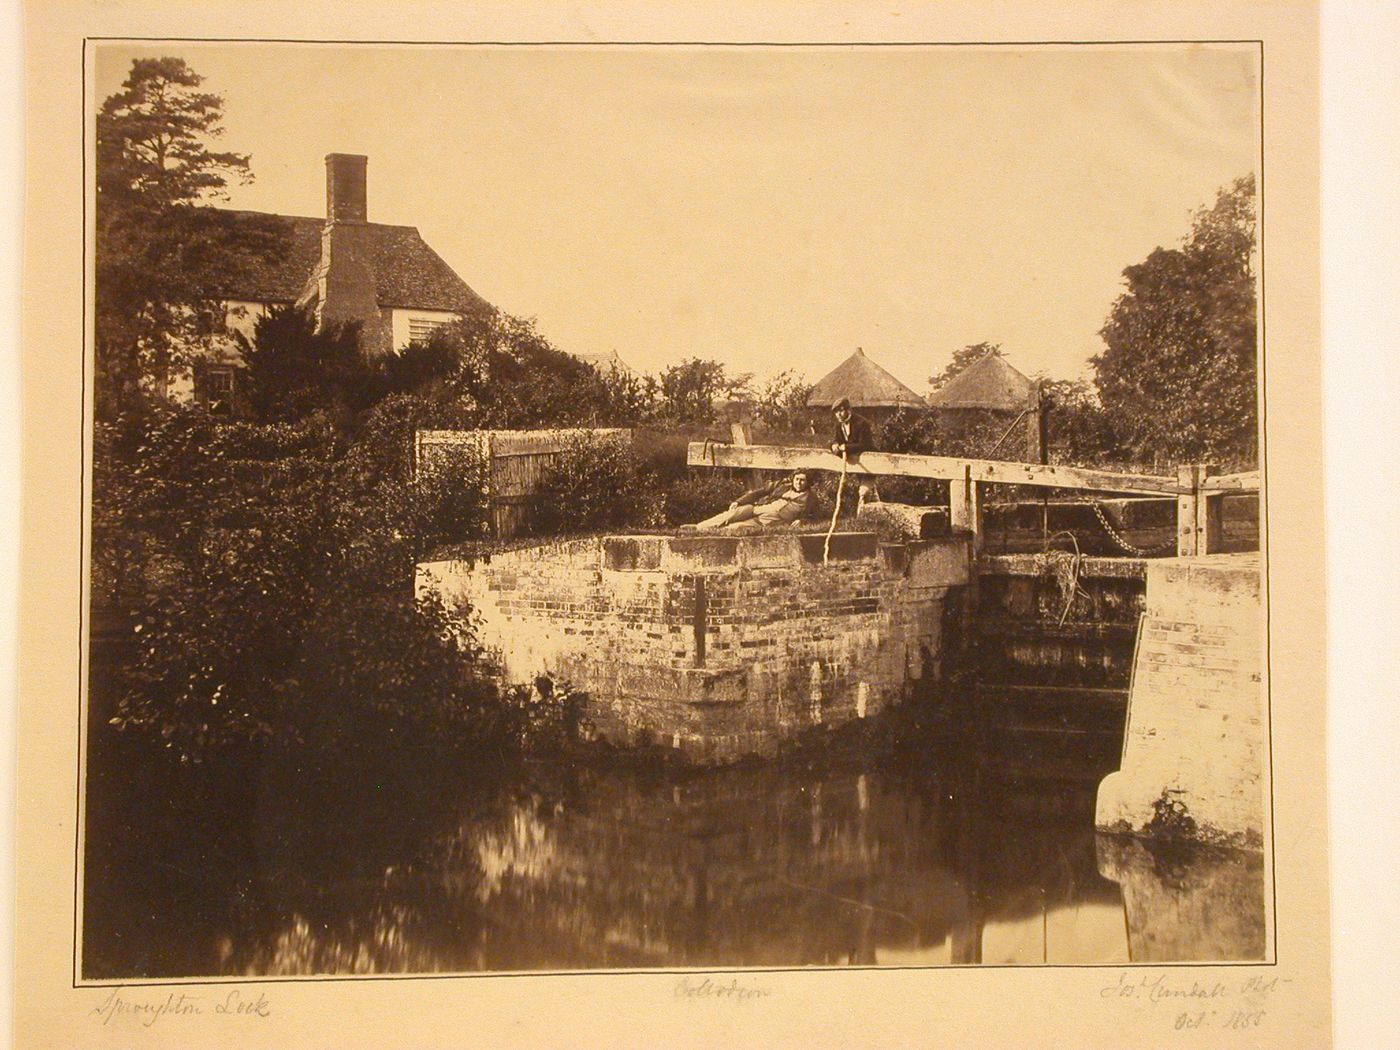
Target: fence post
[[1037, 448], [965, 507], [488, 489], [1187, 501]]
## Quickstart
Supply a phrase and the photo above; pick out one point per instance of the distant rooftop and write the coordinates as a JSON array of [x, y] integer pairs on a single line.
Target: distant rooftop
[[606, 361]]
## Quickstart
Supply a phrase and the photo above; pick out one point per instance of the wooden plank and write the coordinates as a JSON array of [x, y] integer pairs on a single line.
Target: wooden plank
[[1032, 565], [1246, 482], [945, 468]]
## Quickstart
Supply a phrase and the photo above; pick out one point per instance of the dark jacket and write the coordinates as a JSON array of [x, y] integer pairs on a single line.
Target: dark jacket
[[778, 503], [764, 493], [859, 440]]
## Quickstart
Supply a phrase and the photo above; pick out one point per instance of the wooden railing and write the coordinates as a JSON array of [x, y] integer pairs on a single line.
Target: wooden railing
[[1197, 487]]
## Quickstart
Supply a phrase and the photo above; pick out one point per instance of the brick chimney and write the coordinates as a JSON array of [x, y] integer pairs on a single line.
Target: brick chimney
[[345, 187]]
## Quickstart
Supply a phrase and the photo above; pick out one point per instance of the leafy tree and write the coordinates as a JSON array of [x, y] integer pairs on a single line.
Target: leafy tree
[[494, 370], [162, 255], [632, 398], [961, 359], [422, 367], [1080, 432], [1177, 374], [782, 401], [690, 389], [532, 383]]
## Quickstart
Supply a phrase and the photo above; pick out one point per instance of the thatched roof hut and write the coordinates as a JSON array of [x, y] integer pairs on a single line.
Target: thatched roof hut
[[986, 396], [871, 390], [990, 382]]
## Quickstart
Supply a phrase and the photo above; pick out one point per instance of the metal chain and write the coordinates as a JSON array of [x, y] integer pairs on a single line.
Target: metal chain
[[1141, 552]]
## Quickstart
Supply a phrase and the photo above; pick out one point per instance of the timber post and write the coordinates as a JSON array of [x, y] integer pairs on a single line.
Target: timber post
[[1037, 447], [965, 507], [1198, 511], [1209, 506], [1186, 542], [741, 434]]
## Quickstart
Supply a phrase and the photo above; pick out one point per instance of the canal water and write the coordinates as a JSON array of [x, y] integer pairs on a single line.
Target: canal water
[[933, 851]]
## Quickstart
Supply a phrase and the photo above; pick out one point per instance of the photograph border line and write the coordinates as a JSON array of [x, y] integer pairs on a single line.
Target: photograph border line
[[84, 567]]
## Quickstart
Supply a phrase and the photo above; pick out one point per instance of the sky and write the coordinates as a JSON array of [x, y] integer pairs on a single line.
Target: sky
[[770, 208]]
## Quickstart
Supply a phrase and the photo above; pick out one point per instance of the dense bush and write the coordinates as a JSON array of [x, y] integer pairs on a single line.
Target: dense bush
[[1080, 432], [590, 486], [545, 716], [294, 370], [781, 403], [701, 494], [419, 367]]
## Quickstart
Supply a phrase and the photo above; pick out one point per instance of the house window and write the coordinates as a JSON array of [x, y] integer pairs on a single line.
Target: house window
[[421, 329], [218, 391]]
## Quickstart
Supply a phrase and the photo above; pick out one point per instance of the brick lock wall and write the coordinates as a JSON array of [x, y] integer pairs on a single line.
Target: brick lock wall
[[1195, 735], [716, 645]]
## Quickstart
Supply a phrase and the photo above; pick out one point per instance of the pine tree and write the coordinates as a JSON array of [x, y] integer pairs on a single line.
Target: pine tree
[[162, 252]]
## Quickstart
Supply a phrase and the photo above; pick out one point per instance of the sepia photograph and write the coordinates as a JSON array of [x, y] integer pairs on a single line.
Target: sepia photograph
[[554, 509]]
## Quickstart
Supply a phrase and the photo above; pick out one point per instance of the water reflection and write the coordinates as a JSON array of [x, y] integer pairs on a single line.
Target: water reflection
[[1188, 904], [750, 867]]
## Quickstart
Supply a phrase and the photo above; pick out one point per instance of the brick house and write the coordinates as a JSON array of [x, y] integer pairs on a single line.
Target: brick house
[[343, 268]]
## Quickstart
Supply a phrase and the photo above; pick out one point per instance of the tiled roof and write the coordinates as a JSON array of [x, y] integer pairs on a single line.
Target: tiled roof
[[407, 273], [864, 384], [282, 281], [989, 382]]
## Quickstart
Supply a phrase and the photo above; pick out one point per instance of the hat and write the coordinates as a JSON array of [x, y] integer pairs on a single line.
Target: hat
[[842, 403]]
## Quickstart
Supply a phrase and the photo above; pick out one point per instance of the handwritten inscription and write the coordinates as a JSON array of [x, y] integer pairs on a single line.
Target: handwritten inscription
[[1230, 1003], [710, 988], [147, 1008]]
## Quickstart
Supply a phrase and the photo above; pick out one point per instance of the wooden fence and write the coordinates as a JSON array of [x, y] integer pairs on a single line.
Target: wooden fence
[[507, 465], [1196, 487]]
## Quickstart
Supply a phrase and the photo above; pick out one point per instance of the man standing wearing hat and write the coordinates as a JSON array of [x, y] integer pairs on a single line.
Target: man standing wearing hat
[[852, 437]]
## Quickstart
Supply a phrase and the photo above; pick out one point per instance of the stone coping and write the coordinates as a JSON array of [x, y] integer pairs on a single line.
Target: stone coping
[[692, 552]]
